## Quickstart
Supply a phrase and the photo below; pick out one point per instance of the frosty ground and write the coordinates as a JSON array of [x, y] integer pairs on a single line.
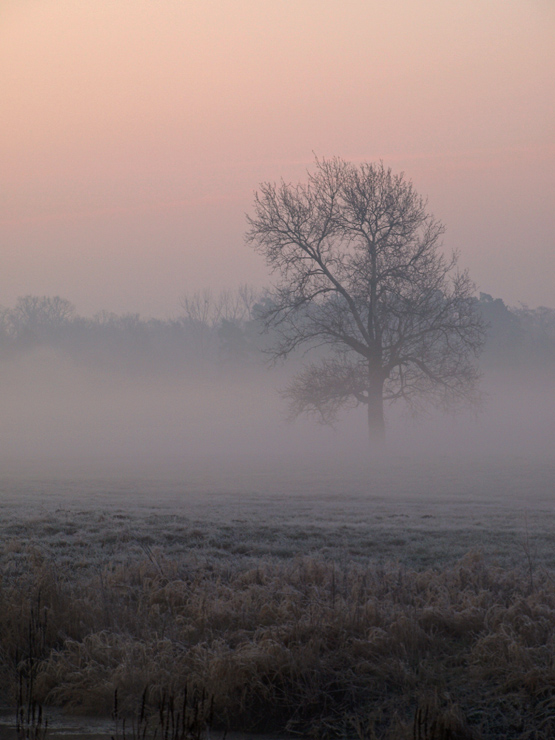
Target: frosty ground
[[305, 600]]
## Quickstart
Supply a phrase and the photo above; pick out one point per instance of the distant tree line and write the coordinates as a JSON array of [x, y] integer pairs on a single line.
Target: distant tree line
[[209, 331], [518, 338], [224, 331]]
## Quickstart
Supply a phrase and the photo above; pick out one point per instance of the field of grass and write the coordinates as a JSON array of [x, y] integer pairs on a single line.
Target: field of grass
[[332, 607]]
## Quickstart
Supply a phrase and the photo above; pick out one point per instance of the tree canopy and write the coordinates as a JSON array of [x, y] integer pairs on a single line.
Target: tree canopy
[[360, 270]]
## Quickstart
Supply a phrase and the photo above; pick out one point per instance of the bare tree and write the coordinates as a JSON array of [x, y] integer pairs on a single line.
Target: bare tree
[[230, 305], [360, 269], [208, 316], [35, 314]]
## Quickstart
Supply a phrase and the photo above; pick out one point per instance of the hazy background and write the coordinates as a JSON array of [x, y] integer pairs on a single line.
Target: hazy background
[[133, 135], [194, 399], [134, 132]]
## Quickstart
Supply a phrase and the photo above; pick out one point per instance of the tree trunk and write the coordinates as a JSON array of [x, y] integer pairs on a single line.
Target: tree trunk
[[376, 421]]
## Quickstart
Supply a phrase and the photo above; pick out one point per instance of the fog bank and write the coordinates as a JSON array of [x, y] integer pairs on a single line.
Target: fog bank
[[228, 427]]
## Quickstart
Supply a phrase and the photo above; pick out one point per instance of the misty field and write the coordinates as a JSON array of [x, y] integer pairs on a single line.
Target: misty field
[[415, 599]]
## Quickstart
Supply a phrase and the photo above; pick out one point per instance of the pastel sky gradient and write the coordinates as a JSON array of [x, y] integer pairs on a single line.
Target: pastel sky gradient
[[134, 132]]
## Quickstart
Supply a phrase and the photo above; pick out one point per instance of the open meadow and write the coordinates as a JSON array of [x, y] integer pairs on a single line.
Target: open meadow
[[414, 598]]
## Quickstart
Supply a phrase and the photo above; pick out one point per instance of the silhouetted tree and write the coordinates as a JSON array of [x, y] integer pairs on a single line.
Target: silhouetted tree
[[34, 317], [361, 271], [217, 322]]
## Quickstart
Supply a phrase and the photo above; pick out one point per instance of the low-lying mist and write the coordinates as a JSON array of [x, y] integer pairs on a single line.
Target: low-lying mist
[[228, 428]]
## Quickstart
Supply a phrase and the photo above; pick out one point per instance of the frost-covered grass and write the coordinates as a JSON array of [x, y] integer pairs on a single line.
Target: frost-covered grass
[[325, 609]]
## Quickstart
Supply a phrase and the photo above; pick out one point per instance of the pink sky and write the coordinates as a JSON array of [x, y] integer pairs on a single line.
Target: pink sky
[[134, 132]]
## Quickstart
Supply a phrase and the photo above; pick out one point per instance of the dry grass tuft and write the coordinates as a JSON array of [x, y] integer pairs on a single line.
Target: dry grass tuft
[[302, 644]]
